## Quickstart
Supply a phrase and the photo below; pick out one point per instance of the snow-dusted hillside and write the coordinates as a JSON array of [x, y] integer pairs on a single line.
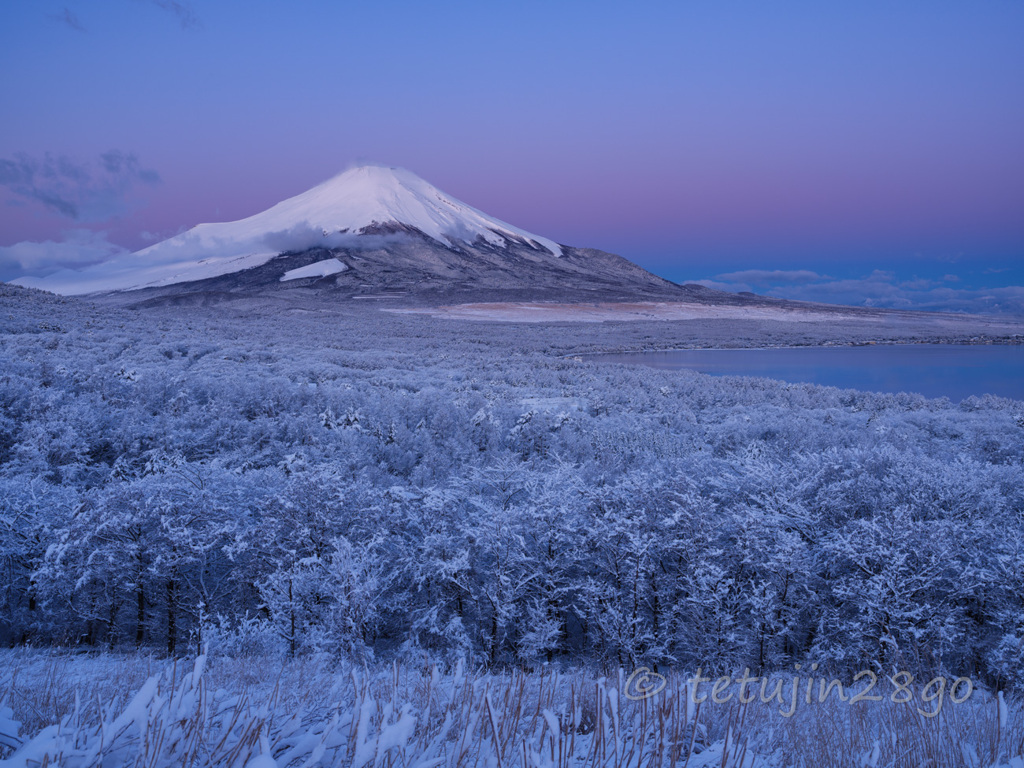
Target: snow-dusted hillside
[[364, 200]]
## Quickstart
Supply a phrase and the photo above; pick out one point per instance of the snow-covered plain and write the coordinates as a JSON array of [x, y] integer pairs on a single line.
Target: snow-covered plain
[[283, 481], [599, 312]]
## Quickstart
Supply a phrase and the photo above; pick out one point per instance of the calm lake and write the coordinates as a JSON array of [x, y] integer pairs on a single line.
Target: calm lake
[[933, 370]]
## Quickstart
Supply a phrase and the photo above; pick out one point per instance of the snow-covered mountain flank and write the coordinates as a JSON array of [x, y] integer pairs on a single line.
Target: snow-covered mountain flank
[[370, 229]]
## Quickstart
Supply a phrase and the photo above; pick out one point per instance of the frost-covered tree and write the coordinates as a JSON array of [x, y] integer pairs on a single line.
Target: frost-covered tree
[[368, 484]]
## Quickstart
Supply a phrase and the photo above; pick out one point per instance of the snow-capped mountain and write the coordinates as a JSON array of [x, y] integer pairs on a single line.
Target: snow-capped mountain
[[368, 229], [367, 199]]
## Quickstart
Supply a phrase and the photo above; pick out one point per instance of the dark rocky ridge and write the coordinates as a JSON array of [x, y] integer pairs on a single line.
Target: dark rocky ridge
[[407, 264], [400, 266]]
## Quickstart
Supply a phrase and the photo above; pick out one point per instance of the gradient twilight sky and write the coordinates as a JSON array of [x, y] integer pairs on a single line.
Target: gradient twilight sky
[[851, 152]]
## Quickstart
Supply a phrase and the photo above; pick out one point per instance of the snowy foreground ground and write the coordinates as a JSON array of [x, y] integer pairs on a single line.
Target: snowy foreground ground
[[407, 539], [604, 311], [136, 710]]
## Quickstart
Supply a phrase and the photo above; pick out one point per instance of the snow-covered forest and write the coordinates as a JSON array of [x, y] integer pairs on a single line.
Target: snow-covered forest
[[377, 487]]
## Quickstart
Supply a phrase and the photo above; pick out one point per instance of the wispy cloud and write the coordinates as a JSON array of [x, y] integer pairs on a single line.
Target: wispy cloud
[[760, 276], [181, 10], [186, 15], [77, 190], [68, 18]]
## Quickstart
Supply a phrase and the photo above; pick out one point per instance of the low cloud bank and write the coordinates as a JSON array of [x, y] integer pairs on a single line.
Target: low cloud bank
[[80, 248], [769, 276], [880, 288]]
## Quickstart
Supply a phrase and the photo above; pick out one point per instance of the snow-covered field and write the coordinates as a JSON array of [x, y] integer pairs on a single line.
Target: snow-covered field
[[77, 710], [305, 493], [619, 311], [547, 312]]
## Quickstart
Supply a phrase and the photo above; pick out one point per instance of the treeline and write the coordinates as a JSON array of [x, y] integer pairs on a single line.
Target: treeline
[[163, 488]]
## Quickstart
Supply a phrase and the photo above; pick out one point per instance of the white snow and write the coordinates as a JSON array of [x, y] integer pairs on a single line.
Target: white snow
[[329, 215], [319, 269], [537, 312], [134, 270]]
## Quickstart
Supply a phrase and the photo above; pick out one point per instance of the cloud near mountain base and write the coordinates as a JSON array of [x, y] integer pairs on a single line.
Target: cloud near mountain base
[[80, 248], [880, 288]]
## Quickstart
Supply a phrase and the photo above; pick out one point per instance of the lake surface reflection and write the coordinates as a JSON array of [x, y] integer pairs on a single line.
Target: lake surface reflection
[[934, 370]]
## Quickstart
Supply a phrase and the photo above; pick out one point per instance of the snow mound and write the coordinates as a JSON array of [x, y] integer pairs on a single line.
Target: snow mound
[[319, 269]]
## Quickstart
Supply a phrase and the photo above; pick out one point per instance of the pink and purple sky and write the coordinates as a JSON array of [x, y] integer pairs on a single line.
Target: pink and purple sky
[[865, 152]]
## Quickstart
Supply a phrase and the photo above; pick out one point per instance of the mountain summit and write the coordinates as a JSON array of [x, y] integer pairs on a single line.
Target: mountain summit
[[373, 197], [370, 229]]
